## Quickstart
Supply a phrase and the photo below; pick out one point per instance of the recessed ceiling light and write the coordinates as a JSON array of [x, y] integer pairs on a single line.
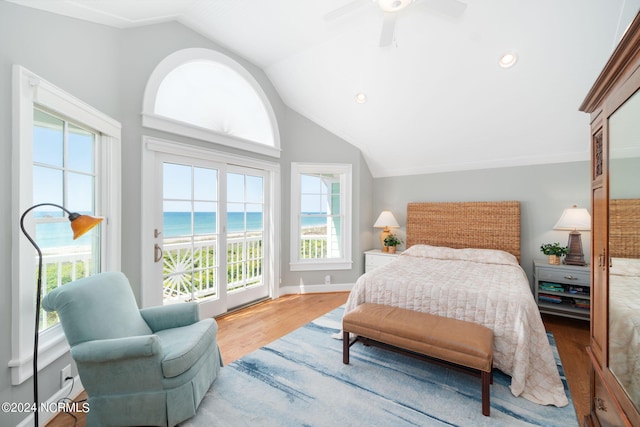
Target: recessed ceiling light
[[508, 59], [361, 98]]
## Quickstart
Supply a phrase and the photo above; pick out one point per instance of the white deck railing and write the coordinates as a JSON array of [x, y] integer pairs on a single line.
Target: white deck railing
[[188, 274]]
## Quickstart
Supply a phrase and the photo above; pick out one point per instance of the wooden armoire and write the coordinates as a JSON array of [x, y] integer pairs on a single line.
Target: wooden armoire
[[614, 105]]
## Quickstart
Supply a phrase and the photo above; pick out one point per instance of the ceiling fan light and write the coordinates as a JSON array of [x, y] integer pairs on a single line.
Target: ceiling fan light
[[393, 5], [361, 98], [508, 59]]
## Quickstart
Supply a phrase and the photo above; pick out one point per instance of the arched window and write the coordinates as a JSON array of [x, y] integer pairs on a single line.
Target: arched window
[[206, 95]]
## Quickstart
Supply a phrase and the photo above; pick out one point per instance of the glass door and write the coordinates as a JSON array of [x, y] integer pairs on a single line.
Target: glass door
[[188, 241], [246, 218], [210, 236]]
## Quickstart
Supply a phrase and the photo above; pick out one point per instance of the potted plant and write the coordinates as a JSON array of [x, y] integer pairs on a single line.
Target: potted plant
[[391, 241], [554, 251]]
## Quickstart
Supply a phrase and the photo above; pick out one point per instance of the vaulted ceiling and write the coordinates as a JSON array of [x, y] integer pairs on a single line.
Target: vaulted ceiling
[[436, 98]]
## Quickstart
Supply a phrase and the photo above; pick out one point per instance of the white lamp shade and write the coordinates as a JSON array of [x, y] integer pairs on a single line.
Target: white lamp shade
[[386, 219], [574, 218]]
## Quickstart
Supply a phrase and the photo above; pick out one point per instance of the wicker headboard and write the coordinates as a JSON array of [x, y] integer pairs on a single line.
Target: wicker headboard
[[484, 225], [624, 228]]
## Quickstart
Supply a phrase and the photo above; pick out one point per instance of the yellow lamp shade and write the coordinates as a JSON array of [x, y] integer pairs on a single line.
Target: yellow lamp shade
[[80, 224]]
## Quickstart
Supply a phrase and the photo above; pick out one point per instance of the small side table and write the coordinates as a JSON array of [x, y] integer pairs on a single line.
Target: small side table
[[374, 258], [563, 290]]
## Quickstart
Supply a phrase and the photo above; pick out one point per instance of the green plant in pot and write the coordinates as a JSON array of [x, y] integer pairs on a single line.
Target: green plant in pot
[[391, 241], [554, 251]]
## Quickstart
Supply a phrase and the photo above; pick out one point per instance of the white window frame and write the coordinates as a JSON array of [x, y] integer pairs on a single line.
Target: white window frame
[[29, 91], [155, 121], [345, 172]]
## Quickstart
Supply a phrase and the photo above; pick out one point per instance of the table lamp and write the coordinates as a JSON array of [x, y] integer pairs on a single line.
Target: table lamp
[[386, 220], [574, 219]]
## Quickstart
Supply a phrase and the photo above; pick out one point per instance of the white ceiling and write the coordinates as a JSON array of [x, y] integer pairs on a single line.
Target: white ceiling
[[436, 98]]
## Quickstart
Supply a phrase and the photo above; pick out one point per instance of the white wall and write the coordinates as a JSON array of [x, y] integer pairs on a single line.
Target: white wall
[[544, 191]]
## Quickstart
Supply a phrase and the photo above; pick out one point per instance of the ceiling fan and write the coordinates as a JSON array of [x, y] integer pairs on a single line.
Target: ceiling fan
[[391, 8]]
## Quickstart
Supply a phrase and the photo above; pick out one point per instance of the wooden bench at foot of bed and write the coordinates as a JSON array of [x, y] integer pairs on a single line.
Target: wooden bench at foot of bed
[[455, 342]]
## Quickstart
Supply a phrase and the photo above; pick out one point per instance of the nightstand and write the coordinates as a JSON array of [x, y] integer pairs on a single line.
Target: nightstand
[[375, 258], [563, 290]]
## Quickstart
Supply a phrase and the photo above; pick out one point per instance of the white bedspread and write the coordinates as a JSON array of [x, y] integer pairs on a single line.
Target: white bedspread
[[482, 286]]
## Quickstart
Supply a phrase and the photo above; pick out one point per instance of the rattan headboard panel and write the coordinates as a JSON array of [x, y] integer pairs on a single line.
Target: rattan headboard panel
[[484, 225], [624, 228]]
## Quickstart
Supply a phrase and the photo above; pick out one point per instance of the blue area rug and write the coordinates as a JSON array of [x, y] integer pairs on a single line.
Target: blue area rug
[[300, 380]]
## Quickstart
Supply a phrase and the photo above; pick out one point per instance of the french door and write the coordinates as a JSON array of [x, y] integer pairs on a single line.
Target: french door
[[210, 243]]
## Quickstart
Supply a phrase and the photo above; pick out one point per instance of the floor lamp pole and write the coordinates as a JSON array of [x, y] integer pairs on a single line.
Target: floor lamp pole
[[38, 302]]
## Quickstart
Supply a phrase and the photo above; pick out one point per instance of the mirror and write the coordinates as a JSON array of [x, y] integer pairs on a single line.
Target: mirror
[[624, 247]]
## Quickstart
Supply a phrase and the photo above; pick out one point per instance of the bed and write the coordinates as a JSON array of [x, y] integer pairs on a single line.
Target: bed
[[462, 262], [624, 294]]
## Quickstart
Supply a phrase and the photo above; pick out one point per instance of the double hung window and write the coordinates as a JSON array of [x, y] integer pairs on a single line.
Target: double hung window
[[321, 216], [65, 153]]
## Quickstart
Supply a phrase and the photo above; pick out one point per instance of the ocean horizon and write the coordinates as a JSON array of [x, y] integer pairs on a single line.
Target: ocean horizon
[[175, 224]]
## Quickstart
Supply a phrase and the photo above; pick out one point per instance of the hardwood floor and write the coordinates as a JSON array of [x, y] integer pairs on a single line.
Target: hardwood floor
[[572, 338], [247, 330]]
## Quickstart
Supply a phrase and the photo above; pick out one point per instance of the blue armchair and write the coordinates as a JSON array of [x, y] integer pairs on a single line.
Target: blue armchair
[[148, 367]]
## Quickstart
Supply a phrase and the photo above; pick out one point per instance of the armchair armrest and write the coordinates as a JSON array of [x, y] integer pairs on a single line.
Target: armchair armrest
[[170, 316], [117, 349]]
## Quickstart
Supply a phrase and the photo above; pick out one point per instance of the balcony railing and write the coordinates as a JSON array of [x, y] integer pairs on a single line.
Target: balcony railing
[[190, 269], [59, 269], [245, 257]]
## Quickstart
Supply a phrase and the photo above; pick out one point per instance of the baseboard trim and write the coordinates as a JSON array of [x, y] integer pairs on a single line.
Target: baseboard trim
[[70, 391], [315, 289]]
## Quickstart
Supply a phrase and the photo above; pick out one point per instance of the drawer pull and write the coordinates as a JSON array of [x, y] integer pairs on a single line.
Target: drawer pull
[[600, 404], [570, 277]]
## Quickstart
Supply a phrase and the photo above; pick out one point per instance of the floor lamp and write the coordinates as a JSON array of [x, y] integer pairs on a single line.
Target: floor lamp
[[80, 224]]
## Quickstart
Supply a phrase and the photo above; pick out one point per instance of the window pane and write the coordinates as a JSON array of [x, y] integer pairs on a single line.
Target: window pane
[[235, 217], [254, 189], [309, 184], [310, 204], [213, 96], [176, 218], [80, 153], [254, 217], [176, 182], [47, 187], [204, 218], [48, 139], [80, 190], [235, 187], [205, 184]]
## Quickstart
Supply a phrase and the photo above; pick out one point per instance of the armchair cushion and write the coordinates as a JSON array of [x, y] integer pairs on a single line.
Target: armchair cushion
[[185, 345], [117, 349]]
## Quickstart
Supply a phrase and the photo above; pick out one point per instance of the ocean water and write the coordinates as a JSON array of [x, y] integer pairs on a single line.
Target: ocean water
[[58, 234]]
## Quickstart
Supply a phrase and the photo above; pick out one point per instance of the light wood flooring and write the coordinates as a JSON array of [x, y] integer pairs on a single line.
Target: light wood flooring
[[246, 330]]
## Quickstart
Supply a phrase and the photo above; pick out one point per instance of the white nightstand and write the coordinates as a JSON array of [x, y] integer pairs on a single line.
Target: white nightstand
[[375, 258]]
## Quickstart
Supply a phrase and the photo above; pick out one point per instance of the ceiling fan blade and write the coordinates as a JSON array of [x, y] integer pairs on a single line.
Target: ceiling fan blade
[[388, 29], [452, 8], [345, 10]]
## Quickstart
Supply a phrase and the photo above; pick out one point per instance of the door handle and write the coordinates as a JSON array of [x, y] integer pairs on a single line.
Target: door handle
[[157, 253]]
